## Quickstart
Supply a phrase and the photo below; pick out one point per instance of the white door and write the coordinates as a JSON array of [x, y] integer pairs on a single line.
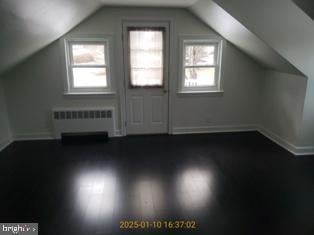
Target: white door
[[146, 56]]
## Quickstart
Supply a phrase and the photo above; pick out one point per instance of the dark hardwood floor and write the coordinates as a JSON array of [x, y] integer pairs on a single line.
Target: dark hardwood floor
[[239, 183]]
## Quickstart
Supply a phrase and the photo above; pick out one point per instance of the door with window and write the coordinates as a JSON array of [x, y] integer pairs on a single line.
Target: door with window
[[146, 52]]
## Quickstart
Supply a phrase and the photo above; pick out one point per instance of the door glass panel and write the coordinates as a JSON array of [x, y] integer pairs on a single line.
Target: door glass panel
[[146, 57]]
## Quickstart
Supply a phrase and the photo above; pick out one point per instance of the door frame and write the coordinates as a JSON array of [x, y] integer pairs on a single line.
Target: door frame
[[124, 81]]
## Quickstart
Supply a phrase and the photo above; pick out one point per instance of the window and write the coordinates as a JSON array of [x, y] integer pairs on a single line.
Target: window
[[200, 66], [146, 50], [87, 66]]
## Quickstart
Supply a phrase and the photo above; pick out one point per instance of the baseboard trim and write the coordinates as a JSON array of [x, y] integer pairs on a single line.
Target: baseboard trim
[[295, 150], [34, 136], [212, 129], [118, 133], [5, 144]]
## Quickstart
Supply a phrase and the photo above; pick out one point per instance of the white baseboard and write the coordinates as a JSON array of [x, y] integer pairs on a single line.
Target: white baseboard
[[118, 133], [46, 136], [5, 143], [34, 136], [295, 150], [213, 129]]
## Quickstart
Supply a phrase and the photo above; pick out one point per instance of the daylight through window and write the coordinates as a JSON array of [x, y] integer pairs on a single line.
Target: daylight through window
[[146, 57], [200, 65], [88, 69]]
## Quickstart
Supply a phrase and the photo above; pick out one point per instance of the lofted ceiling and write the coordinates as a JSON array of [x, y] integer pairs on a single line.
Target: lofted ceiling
[[231, 29], [28, 26], [307, 6], [159, 3]]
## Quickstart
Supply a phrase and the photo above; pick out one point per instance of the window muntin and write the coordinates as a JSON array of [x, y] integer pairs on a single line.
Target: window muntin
[[146, 51], [87, 65], [201, 65]]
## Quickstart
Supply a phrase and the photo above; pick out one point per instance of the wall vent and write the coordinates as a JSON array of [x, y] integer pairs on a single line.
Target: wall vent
[[79, 114], [83, 120]]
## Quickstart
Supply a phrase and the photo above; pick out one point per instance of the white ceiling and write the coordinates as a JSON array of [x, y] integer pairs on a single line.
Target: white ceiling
[[159, 3], [231, 29], [28, 26]]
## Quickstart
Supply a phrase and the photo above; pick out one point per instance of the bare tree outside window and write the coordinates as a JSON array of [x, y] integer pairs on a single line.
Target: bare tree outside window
[[199, 65]]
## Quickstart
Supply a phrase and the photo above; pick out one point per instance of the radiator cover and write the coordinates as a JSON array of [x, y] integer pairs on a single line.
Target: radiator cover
[[83, 120]]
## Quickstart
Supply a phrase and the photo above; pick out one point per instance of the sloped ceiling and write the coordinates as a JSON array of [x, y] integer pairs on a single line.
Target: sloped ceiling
[[28, 26], [307, 6], [282, 25], [231, 29], [159, 3]]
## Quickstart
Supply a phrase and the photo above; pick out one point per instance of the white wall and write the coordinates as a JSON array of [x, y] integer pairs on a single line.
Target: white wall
[[36, 86], [5, 133], [290, 32], [282, 102], [307, 136], [236, 108], [234, 31]]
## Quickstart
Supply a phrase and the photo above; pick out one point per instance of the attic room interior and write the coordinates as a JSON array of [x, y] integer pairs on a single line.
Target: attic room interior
[[157, 117]]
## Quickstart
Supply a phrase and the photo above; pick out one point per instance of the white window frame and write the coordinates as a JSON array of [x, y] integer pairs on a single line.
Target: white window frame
[[218, 49], [70, 89]]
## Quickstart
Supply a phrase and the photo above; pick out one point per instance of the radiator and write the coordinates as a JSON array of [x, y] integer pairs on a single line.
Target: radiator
[[83, 120]]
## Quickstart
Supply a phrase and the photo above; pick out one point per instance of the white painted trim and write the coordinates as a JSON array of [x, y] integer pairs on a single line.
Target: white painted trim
[[83, 94], [46, 136], [5, 144], [209, 39], [167, 24], [34, 136], [213, 129], [108, 42], [118, 133], [304, 150], [295, 150], [200, 93]]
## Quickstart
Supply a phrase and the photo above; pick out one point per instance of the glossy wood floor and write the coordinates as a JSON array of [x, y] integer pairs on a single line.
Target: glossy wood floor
[[237, 183]]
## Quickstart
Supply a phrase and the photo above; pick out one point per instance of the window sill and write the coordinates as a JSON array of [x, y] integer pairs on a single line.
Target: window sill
[[84, 94], [201, 93]]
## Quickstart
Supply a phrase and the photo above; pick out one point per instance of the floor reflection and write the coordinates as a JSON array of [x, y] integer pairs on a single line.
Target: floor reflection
[[148, 198], [98, 195], [95, 193], [194, 188]]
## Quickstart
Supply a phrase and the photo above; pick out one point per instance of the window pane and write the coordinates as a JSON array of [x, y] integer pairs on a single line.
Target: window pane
[[200, 55], [139, 77], [199, 77], [89, 77], [146, 57], [88, 54]]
